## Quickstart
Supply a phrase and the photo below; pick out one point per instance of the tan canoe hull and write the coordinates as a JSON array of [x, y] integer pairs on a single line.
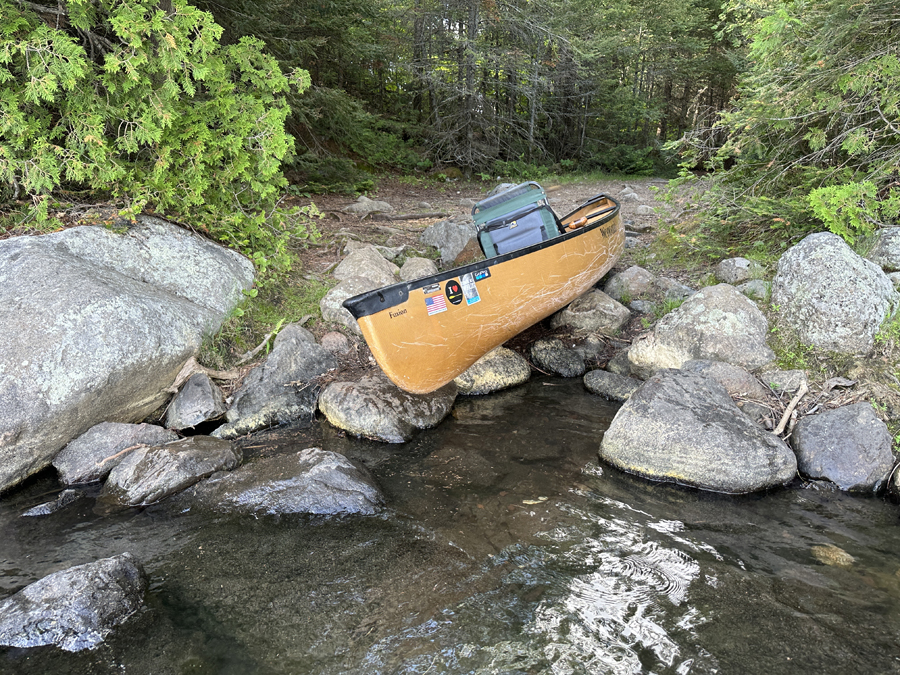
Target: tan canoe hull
[[449, 321]]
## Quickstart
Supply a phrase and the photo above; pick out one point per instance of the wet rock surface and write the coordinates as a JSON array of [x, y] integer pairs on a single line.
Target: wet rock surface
[[683, 427], [199, 400], [848, 446], [552, 356], [611, 386], [148, 475], [499, 369], [91, 456], [375, 408], [311, 481], [279, 391], [75, 608]]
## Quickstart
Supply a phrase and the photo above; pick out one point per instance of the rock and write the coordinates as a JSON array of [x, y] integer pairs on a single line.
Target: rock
[[829, 297], [737, 270], [91, 456], [148, 475], [756, 289], [620, 364], [849, 446], [626, 189], [551, 355], [65, 498], [629, 197], [470, 253], [895, 279], [449, 237], [424, 206], [467, 202], [279, 391], [336, 343], [640, 228], [417, 268], [310, 481], [332, 307], [593, 312], [375, 408], [736, 380], [499, 369], [592, 348], [368, 263], [788, 381], [199, 401], [716, 323], [111, 319], [611, 386], [683, 427], [759, 413], [670, 289], [633, 283], [644, 210], [642, 307], [886, 251], [75, 608], [363, 206]]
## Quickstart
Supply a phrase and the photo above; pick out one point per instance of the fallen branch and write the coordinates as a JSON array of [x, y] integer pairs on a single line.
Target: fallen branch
[[801, 392], [191, 366], [256, 350], [120, 453], [407, 216]]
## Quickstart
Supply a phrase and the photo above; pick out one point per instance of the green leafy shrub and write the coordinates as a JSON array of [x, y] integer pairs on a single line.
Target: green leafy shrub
[[148, 107]]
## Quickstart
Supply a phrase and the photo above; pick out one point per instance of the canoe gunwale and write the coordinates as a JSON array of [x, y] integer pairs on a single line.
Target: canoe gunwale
[[386, 297]]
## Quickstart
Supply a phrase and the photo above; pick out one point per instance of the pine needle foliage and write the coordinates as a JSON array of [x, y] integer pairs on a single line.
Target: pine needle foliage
[[814, 137], [139, 100]]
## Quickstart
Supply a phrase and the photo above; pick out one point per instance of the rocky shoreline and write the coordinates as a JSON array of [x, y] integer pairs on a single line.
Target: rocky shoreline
[[118, 319]]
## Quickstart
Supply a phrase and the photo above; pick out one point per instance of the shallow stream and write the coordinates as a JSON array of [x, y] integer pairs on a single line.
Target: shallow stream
[[506, 548]]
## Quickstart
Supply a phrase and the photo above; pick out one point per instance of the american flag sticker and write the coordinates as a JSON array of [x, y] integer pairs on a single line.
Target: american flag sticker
[[435, 304]]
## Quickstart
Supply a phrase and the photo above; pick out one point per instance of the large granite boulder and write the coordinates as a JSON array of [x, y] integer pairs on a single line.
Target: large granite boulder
[[149, 475], [376, 408], [684, 428], [279, 391], [310, 481], [848, 446], [593, 312], [829, 297], [499, 369], [449, 237], [91, 456], [75, 608], [717, 323], [95, 325]]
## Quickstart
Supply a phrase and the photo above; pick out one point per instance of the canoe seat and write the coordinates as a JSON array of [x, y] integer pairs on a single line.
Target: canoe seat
[[514, 219]]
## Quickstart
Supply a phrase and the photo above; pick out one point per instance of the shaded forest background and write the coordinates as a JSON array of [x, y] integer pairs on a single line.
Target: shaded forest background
[[493, 86]]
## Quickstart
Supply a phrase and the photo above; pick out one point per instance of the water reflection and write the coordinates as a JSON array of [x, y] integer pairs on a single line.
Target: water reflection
[[507, 548]]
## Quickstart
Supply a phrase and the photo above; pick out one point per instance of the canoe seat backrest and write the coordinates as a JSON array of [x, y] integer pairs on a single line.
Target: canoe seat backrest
[[513, 219]]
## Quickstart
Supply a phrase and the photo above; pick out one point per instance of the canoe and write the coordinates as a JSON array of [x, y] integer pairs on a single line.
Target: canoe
[[426, 332]]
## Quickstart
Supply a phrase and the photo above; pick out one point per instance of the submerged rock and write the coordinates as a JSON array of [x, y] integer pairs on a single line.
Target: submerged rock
[[499, 369], [65, 498], [830, 297], [199, 400], [683, 427], [717, 323], [552, 356], [310, 481], [849, 446], [611, 386], [376, 408], [148, 475], [279, 391], [76, 608], [91, 456]]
